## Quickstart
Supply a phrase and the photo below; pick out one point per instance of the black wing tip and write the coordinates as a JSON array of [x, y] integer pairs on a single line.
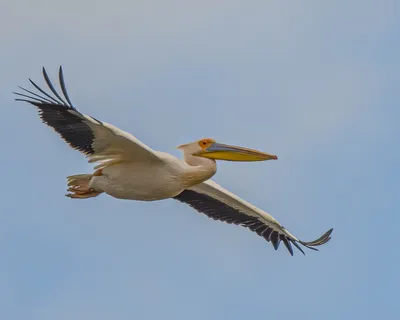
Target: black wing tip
[[63, 86], [318, 242], [44, 71], [309, 245], [297, 246], [270, 237], [287, 244], [45, 75], [25, 100], [46, 98]]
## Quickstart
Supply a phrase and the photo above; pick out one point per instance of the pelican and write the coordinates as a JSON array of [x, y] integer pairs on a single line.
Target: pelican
[[126, 168]]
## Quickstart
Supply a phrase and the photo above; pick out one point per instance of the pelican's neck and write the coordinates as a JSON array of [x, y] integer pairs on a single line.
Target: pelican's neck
[[198, 170]]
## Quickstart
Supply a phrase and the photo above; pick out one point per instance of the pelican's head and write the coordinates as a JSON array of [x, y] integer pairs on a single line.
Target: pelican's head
[[209, 148]]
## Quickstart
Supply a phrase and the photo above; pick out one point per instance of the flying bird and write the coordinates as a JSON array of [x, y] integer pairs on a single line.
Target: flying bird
[[126, 168]]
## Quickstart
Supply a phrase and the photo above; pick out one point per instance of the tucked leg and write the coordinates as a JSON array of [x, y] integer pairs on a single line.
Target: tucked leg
[[79, 187]]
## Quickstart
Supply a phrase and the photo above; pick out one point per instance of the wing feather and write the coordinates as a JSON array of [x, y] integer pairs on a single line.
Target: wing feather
[[99, 141], [220, 204]]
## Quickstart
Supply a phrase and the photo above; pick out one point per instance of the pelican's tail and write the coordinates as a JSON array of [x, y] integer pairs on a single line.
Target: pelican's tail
[[79, 185]]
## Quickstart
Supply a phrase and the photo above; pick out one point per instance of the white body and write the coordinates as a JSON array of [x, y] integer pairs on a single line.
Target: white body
[[149, 181]]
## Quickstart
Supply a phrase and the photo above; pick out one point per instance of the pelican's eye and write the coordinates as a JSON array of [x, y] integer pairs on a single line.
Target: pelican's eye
[[205, 143]]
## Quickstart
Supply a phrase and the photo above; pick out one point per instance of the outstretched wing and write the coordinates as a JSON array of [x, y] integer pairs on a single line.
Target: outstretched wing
[[98, 140], [220, 204]]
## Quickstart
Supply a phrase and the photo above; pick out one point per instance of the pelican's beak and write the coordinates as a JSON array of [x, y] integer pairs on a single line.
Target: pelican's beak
[[219, 151]]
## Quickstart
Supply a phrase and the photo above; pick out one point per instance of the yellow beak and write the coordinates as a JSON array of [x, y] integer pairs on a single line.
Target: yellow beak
[[219, 151]]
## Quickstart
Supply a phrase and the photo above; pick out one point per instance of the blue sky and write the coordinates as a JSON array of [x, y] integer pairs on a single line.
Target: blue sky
[[316, 83]]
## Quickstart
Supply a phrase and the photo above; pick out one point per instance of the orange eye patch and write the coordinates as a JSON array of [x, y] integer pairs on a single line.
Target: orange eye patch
[[205, 143]]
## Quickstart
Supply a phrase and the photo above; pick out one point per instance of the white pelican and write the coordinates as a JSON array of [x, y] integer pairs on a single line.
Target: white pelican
[[128, 169]]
